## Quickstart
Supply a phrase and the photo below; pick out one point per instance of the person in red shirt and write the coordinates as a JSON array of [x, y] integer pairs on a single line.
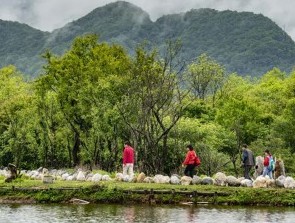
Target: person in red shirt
[[266, 169], [128, 160], [189, 162]]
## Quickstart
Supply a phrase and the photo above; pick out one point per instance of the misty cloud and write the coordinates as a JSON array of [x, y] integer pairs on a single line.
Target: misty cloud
[[52, 14]]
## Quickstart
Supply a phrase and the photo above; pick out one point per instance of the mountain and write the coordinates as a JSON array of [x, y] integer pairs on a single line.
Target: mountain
[[244, 42], [21, 45]]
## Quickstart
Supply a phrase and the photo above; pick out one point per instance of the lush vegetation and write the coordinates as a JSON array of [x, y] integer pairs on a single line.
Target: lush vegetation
[[245, 43], [26, 191], [88, 101]]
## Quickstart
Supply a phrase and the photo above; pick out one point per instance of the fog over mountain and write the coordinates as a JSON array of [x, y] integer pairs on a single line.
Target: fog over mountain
[[53, 14]]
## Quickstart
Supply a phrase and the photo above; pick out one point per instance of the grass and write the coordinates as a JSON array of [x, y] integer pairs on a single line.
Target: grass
[[112, 192]]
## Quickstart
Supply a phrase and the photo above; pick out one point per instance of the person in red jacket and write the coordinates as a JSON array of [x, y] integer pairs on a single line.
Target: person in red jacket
[[189, 161], [128, 160], [266, 169]]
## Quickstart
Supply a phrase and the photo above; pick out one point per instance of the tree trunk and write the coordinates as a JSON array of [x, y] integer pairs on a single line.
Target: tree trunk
[[165, 166], [76, 150], [235, 166]]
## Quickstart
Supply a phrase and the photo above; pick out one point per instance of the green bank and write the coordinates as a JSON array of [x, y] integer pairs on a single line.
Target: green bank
[[33, 191]]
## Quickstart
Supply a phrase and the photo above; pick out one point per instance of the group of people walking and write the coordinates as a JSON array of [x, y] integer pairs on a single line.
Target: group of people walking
[[248, 161], [192, 160]]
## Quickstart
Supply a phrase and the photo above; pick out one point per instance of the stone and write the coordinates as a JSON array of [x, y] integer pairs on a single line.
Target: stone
[[148, 180], [71, 178], [185, 180], [166, 180], [105, 178], [23, 172], [36, 175], [89, 176], [232, 181], [140, 178], [270, 183], [174, 180], [289, 183], [65, 176], [96, 177], [119, 177], [280, 181], [160, 179], [197, 180], [260, 182], [47, 179], [240, 179], [259, 166], [246, 183], [279, 169], [45, 171], [207, 181], [128, 178], [220, 179], [81, 176]]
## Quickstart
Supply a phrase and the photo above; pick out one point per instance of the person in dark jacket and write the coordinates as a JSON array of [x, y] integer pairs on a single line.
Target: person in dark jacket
[[248, 161], [190, 161]]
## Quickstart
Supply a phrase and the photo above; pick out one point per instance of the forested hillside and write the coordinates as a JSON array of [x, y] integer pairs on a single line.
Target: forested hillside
[[244, 42], [21, 45], [95, 96]]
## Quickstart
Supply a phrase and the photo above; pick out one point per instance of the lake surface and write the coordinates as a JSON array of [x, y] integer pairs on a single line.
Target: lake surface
[[142, 213]]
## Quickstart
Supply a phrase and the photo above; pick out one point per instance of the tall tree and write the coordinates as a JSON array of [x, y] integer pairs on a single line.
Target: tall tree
[[152, 106], [16, 119], [205, 77], [86, 80]]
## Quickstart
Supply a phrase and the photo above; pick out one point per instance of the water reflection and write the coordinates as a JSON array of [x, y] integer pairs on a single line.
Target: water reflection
[[142, 213]]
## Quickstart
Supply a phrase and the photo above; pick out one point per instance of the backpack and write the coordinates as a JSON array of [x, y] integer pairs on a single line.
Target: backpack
[[197, 161], [271, 164]]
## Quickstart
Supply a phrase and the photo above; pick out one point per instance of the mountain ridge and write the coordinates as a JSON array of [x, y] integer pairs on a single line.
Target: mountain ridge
[[244, 42]]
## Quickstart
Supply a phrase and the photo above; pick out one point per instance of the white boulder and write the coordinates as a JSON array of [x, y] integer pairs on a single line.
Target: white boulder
[[81, 176], [232, 181], [174, 180], [289, 183], [185, 180], [220, 179], [246, 183], [96, 177]]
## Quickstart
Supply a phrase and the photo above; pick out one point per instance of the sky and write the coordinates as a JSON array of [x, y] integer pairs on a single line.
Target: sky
[[48, 15]]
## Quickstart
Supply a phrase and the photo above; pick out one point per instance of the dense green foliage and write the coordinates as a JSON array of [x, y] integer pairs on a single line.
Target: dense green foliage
[[245, 43], [91, 99]]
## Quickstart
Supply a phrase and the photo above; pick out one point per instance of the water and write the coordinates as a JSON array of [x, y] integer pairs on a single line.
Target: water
[[142, 214]]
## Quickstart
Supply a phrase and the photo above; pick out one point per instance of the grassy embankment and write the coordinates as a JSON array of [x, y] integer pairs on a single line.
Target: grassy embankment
[[34, 191]]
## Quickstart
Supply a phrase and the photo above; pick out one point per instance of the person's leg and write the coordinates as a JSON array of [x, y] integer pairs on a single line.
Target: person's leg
[[191, 168], [247, 172], [130, 170], [186, 171], [125, 168], [265, 171], [270, 174]]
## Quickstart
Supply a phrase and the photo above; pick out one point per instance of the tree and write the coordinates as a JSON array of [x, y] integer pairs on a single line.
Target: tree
[[87, 81], [16, 119], [152, 106], [238, 113], [205, 77]]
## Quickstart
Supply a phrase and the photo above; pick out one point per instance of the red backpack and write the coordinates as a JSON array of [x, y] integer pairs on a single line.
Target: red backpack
[[197, 161]]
